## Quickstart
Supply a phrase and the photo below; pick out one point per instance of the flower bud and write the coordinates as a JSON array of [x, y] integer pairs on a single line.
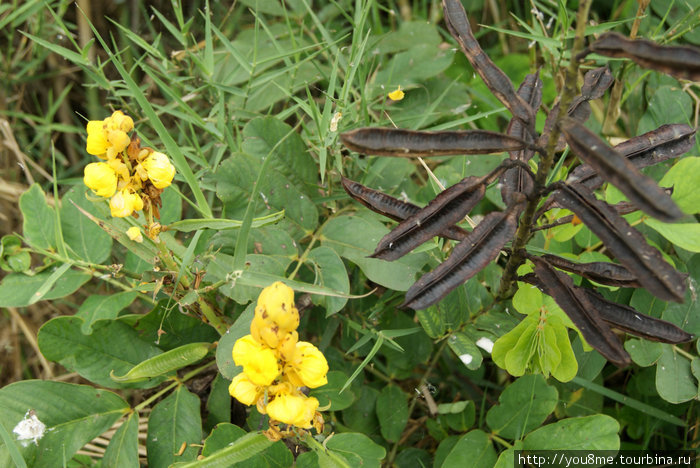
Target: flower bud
[[101, 179], [134, 234], [159, 169]]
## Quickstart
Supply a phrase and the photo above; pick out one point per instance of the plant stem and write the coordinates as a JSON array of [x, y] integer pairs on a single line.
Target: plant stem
[[526, 221], [392, 455]]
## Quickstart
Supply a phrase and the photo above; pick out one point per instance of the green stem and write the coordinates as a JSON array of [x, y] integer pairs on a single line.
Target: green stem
[[210, 314], [318, 447], [414, 399], [527, 220]]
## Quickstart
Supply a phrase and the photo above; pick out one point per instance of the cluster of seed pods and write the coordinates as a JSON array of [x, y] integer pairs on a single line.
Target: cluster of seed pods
[[640, 265]]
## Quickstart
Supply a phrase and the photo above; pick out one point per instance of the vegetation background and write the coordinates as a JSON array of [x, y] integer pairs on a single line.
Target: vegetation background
[[242, 96]]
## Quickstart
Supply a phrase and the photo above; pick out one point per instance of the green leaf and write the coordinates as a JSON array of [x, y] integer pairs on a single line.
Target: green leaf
[[228, 446], [224, 351], [39, 226], [165, 363], [518, 358], [362, 415], [528, 299], [330, 273], [473, 449], [64, 408], [355, 237], [189, 225], [174, 421], [503, 346], [392, 412], [96, 308], [465, 349], [643, 352], [667, 104], [431, 321], [84, 237], [459, 415], [684, 235], [597, 432], [331, 392], [123, 449], [568, 366], [674, 379], [684, 177], [18, 289], [357, 449], [523, 406], [56, 274], [113, 346]]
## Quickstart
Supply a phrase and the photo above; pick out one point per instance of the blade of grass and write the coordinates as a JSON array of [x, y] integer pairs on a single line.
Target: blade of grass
[[628, 401]]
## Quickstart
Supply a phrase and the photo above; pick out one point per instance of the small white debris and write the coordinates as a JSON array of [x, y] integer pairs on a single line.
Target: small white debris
[[466, 359], [485, 344], [334, 121], [29, 429]]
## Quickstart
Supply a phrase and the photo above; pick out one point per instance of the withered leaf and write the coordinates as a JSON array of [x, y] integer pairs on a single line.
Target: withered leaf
[[581, 312], [666, 142], [624, 242], [611, 274], [469, 257], [619, 171], [679, 61], [391, 207], [412, 143], [449, 207], [629, 320], [494, 78]]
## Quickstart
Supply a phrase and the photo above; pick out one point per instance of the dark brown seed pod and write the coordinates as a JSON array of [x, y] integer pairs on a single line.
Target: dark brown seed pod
[[625, 317], [494, 78], [666, 142], [576, 305], [619, 171], [412, 143], [679, 61], [515, 180], [449, 207], [469, 257], [391, 207], [629, 320], [624, 242], [608, 273], [595, 83]]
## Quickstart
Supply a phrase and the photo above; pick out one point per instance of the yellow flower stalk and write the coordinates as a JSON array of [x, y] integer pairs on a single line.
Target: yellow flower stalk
[[101, 179], [276, 365], [397, 94]]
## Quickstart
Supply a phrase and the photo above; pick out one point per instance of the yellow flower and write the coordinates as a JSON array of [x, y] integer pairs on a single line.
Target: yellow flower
[[397, 94], [259, 362], [287, 346], [124, 202], [101, 179], [294, 410], [308, 367], [276, 307], [108, 137], [134, 234], [159, 169], [243, 390]]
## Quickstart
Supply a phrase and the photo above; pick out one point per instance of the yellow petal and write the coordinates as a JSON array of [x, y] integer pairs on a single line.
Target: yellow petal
[[243, 390], [101, 179], [159, 169], [396, 95]]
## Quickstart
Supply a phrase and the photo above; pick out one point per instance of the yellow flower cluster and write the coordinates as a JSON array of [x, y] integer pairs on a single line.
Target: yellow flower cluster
[[130, 175], [276, 365]]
